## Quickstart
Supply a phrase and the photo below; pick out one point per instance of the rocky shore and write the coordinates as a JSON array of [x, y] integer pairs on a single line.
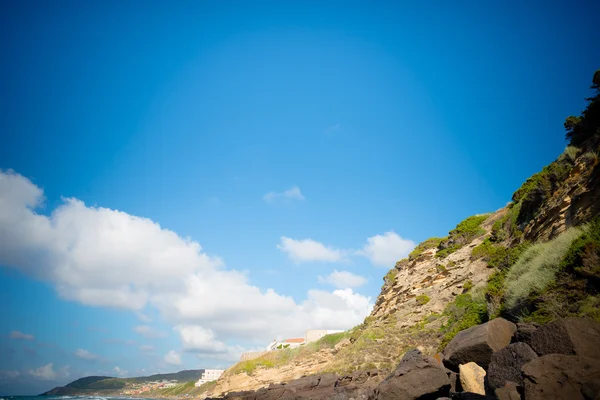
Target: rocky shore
[[495, 360]]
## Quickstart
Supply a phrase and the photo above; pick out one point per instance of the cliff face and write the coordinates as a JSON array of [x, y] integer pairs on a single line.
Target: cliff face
[[449, 284]]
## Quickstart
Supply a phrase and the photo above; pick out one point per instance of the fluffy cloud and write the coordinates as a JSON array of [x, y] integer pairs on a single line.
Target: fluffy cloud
[[292, 193], [307, 250], [385, 250], [149, 332], [21, 336], [102, 257], [86, 355], [343, 279], [47, 372], [173, 358]]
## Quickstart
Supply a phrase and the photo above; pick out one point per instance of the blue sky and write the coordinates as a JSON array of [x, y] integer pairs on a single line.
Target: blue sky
[[182, 182]]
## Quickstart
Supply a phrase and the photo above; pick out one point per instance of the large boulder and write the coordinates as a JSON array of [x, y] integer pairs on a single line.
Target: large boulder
[[416, 377], [506, 365], [524, 332], [575, 336], [508, 392], [559, 376], [472, 378], [478, 343]]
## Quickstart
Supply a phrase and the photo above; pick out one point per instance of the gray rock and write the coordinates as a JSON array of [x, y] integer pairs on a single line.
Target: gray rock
[[506, 364], [478, 343]]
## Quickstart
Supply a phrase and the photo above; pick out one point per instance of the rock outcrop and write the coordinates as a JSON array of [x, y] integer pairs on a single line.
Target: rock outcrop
[[506, 364], [478, 343], [574, 336], [417, 377]]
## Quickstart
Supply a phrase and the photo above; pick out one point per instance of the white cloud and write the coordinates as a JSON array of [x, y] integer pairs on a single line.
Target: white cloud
[[307, 250], [121, 373], [102, 257], [147, 348], [86, 355], [385, 250], [173, 358], [197, 339], [292, 193], [149, 332], [143, 317], [47, 372], [343, 279], [21, 336]]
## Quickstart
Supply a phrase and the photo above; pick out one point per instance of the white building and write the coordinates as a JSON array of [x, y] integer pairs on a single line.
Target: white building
[[312, 335], [209, 375], [285, 344]]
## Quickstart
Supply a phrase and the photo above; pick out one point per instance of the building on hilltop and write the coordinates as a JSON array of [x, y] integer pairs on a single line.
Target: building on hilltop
[[285, 344], [209, 375]]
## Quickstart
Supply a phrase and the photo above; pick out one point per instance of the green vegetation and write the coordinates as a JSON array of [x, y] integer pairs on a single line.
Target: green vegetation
[[270, 360], [498, 256], [464, 312], [329, 341], [422, 299], [580, 129], [106, 384], [464, 233], [495, 284], [583, 256], [426, 245], [440, 268], [537, 267], [391, 275], [186, 389], [84, 383], [468, 285]]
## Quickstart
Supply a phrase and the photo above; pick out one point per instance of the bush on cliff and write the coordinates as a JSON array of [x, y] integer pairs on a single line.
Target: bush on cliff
[[464, 233], [464, 312], [537, 267]]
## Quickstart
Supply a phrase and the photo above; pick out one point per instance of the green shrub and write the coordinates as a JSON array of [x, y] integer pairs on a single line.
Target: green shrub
[[570, 153], [495, 284], [583, 256], [390, 276], [464, 312], [329, 341], [468, 285], [536, 268], [426, 245], [470, 228], [440, 268], [498, 256], [422, 299], [464, 233]]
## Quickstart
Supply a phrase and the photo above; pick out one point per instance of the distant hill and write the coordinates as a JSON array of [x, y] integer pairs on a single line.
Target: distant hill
[[109, 384]]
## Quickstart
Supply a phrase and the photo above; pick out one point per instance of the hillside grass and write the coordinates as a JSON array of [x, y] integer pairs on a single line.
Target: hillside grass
[[185, 389], [282, 357], [464, 233], [537, 267]]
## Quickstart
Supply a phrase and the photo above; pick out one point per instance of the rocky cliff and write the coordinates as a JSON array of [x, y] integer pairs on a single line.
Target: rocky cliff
[[525, 262]]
